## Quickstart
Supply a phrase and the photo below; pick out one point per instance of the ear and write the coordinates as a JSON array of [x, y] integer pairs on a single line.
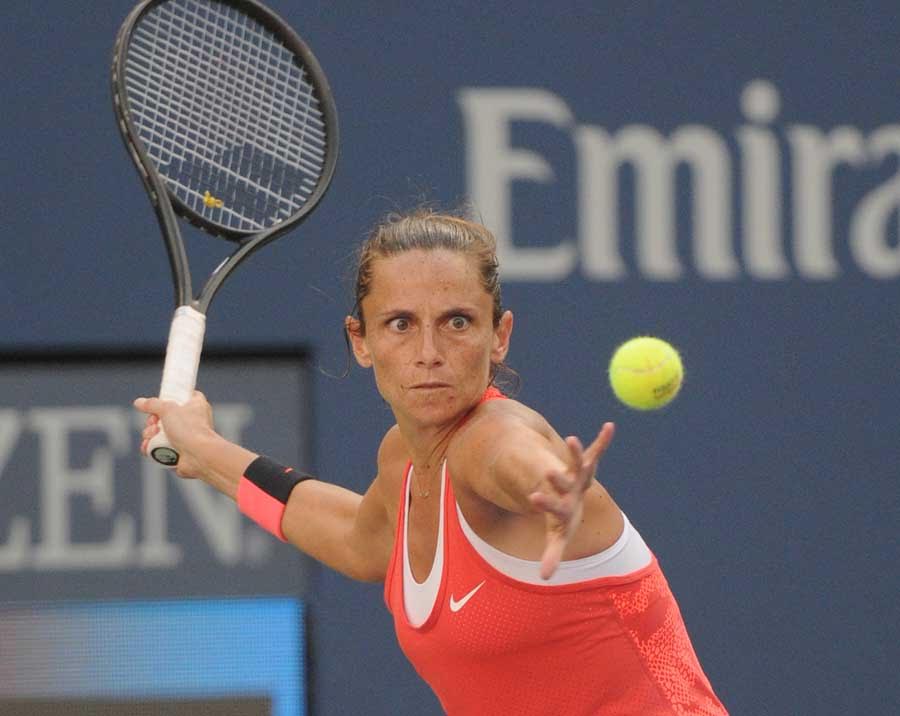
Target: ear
[[502, 334], [357, 338]]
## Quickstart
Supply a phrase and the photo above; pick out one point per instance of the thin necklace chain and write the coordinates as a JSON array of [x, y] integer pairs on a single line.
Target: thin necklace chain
[[427, 491], [422, 493]]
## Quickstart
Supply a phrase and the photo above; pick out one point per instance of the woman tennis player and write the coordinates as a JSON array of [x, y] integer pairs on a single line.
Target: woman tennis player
[[516, 584]]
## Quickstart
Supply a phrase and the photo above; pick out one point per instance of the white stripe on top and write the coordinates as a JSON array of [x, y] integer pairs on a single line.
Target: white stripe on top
[[627, 554]]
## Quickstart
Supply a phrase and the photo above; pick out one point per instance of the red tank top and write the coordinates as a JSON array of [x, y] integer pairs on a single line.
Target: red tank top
[[613, 646]]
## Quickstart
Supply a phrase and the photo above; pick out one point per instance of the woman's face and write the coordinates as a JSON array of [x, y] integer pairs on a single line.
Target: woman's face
[[429, 334]]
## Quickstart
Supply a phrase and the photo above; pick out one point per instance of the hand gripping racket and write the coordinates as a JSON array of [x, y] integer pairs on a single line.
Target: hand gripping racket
[[232, 126]]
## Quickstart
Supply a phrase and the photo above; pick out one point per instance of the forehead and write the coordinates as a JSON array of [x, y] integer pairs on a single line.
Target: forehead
[[420, 273]]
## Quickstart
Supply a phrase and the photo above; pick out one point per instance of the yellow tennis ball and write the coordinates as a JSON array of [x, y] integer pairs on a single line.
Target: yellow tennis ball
[[645, 373]]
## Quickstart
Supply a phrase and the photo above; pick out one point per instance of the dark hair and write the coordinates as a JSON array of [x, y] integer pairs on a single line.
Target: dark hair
[[426, 229]]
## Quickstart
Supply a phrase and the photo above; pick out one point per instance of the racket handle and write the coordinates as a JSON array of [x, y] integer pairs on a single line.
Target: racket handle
[[179, 374]]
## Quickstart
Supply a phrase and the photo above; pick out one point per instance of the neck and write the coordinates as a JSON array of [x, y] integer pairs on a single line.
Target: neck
[[427, 447], [427, 444]]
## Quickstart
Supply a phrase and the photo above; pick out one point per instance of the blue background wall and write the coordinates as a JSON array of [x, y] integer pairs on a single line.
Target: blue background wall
[[769, 490]]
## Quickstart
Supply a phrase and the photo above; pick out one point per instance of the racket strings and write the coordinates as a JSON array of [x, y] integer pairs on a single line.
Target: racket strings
[[227, 107], [278, 104], [226, 112], [268, 105]]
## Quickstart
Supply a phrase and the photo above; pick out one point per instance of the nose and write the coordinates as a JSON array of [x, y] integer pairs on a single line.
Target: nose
[[429, 353]]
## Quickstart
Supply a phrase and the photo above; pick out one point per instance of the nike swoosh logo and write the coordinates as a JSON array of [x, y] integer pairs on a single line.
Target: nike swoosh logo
[[455, 606]]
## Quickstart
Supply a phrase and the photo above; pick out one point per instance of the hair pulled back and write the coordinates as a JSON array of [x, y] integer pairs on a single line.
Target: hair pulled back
[[427, 230]]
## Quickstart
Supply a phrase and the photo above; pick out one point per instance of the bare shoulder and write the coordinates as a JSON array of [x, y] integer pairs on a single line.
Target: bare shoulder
[[496, 420], [392, 459]]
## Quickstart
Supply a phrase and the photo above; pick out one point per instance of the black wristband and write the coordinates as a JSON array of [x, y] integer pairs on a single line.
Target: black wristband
[[273, 478], [263, 492]]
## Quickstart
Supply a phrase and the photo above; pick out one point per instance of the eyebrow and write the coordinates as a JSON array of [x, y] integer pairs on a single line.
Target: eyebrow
[[407, 312]]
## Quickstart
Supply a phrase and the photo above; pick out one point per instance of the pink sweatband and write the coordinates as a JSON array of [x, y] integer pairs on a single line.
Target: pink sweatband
[[263, 493]]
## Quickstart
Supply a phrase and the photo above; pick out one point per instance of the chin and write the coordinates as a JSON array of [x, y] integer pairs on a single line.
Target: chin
[[433, 405]]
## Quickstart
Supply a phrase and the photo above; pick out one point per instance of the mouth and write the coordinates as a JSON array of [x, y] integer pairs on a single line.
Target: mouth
[[431, 385]]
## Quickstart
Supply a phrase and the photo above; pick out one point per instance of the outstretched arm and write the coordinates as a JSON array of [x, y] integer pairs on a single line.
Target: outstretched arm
[[348, 532], [532, 471]]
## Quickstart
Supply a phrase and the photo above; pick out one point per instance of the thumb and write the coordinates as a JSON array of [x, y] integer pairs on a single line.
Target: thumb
[[152, 406]]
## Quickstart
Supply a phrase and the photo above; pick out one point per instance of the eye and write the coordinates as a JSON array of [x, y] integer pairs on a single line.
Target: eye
[[399, 324], [459, 323]]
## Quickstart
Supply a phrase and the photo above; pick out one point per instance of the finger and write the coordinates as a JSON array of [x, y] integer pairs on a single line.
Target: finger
[[596, 449], [576, 451], [551, 505], [578, 463], [552, 556], [562, 483]]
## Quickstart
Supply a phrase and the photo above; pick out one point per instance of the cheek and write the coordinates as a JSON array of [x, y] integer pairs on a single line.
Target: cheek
[[382, 382], [388, 370], [474, 356]]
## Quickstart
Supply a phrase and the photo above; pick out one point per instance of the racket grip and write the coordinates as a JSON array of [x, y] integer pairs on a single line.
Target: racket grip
[[179, 374]]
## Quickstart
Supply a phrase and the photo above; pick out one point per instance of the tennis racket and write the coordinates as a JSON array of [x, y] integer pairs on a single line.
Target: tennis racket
[[232, 126]]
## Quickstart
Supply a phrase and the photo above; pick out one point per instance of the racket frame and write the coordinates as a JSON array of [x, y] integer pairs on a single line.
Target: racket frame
[[168, 207], [188, 324]]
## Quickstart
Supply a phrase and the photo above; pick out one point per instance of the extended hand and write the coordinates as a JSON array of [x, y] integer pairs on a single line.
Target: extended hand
[[562, 500]]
